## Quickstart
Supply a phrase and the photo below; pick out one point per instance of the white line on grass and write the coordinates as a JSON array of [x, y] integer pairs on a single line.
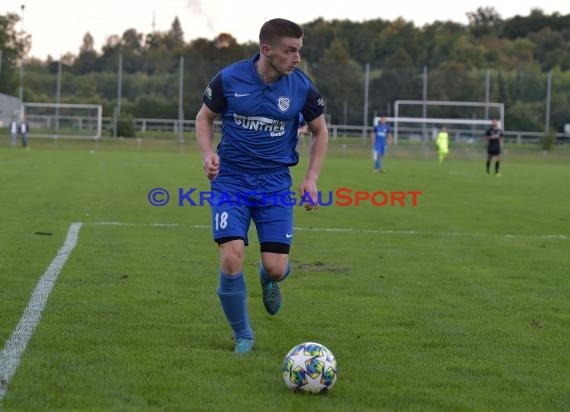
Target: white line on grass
[[352, 230], [104, 223], [414, 232], [16, 345]]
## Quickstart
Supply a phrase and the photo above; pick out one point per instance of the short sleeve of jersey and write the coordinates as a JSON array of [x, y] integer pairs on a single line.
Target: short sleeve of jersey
[[214, 97], [314, 105]]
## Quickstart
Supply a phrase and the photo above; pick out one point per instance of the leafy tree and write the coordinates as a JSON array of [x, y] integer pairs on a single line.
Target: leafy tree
[[341, 79], [522, 26], [14, 47], [549, 45], [485, 21], [400, 59], [318, 35], [87, 60], [126, 126], [438, 43]]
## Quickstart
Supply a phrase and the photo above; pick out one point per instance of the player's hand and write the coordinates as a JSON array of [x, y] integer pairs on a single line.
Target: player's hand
[[309, 188], [211, 165]]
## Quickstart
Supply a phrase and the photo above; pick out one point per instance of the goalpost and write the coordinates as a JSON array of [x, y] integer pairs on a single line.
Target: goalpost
[[461, 126], [64, 120]]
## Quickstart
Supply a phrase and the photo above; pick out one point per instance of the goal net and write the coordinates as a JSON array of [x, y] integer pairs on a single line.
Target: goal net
[[64, 120], [465, 121]]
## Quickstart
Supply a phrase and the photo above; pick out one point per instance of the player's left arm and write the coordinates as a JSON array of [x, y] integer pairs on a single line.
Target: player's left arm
[[318, 150]]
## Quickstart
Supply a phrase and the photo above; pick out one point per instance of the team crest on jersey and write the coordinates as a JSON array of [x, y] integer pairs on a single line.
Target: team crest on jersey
[[283, 103], [208, 92]]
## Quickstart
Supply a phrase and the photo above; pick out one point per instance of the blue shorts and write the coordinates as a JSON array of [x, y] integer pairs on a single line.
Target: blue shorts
[[240, 198], [378, 152], [379, 148]]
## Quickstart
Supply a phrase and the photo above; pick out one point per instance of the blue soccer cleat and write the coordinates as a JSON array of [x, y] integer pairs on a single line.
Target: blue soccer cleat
[[271, 295], [243, 346]]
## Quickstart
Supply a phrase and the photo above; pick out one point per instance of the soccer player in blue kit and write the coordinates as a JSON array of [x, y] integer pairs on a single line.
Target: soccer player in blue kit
[[259, 101], [381, 136]]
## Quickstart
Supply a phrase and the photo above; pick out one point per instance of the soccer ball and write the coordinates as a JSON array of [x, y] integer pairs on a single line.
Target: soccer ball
[[309, 367]]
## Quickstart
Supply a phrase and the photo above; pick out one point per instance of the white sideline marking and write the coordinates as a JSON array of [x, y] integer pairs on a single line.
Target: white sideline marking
[[414, 232], [352, 230], [16, 345], [132, 224]]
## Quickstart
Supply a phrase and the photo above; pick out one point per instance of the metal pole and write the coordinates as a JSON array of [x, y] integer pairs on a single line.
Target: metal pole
[[119, 95], [396, 114], [1, 60], [365, 109], [548, 94], [21, 90], [424, 106], [181, 101], [487, 92], [58, 95], [344, 115]]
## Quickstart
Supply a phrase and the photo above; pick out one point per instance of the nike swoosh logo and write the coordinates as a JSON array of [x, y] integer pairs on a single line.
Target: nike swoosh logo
[[241, 94], [288, 236]]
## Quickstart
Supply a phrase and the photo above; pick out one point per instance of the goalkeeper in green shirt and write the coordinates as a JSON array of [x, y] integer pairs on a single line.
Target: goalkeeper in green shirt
[[442, 143]]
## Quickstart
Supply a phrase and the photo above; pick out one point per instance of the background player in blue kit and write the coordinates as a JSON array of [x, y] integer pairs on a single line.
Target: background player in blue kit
[[259, 101], [381, 136]]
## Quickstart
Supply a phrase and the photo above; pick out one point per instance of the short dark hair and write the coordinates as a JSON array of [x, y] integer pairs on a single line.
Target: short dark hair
[[274, 29]]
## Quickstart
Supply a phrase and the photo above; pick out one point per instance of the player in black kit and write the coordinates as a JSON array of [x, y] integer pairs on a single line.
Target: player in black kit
[[494, 137]]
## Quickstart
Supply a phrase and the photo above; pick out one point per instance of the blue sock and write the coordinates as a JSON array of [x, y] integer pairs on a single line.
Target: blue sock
[[377, 164], [266, 277], [233, 297]]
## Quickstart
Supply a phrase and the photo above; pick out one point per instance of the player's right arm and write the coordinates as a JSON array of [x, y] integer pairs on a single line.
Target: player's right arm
[[205, 139]]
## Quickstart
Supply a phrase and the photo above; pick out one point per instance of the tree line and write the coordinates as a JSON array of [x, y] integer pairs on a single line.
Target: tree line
[[502, 60]]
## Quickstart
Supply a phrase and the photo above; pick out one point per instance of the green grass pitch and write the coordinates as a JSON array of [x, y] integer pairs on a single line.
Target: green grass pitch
[[460, 303]]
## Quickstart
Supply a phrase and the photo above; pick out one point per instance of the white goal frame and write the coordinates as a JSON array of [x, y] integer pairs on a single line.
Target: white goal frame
[[442, 121], [56, 106]]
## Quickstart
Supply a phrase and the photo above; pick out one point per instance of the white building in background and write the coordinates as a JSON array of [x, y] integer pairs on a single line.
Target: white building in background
[[9, 109]]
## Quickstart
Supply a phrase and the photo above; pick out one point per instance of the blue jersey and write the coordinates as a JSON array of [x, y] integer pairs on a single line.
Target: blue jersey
[[381, 132], [260, 120]]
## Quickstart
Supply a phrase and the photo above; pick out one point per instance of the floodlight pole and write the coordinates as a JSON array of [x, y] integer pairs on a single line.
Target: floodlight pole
[[424, 107], [117, 111], [21, 90], [487, 92], [181, 100], [58, 94], [365, 108], [548, 94]]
